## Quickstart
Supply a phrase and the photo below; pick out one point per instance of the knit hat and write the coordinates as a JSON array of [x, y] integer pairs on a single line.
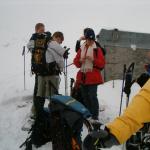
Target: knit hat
[[89, 34]]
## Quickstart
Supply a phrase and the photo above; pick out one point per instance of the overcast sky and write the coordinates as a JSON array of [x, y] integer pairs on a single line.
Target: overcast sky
[[18, 17]]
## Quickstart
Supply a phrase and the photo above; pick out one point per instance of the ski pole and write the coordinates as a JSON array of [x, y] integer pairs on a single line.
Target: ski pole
[[128, 83], [124, 72], [66, 70], [71, 84], [66, 78], [23, 54], [70, 65]]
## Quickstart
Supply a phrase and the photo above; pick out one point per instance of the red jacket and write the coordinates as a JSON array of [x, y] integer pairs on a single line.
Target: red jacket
[[94, 76]]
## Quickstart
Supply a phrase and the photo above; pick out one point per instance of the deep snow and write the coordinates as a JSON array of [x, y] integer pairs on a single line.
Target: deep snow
[[18, 18], [14, 109]]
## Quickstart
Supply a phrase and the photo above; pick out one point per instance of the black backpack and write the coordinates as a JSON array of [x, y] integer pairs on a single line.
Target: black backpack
[[102, 48], [40, 132], [38, 58], [60, 125], [66, 127]]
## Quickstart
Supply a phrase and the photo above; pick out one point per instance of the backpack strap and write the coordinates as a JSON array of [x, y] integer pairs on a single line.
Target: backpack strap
[[96, 54], [102, 48], [96, 51]]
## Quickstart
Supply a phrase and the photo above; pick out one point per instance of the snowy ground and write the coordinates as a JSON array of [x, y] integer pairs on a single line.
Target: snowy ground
[[16, 105], [18, 18]]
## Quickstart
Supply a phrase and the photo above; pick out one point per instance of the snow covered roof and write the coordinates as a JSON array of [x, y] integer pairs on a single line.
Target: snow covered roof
[[124, 39]]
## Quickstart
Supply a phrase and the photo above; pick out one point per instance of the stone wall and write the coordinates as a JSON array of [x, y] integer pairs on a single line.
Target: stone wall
[[116, 57]]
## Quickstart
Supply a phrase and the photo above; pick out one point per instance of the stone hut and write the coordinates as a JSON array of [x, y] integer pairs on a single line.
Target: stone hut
[[124, 48]]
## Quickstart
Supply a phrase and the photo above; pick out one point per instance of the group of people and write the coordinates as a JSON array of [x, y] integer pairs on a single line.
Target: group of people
[[90, 60], [49, 67]]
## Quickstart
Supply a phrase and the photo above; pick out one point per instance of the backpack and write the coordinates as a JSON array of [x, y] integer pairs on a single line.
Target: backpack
[[69, 115], [102, 48], [38, 58], [66, 127], [60, 124], [40, 132]]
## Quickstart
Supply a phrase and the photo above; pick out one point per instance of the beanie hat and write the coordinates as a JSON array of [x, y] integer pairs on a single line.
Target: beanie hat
[[89, 33]]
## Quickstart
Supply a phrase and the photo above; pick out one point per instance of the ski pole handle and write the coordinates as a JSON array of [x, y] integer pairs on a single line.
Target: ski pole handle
[[23, 52], [72, 81]]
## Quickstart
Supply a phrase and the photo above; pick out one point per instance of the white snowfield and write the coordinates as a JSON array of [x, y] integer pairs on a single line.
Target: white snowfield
[[18, 18], [15, 104]]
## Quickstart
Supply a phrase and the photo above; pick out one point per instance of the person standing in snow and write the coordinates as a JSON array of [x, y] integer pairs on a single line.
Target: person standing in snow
[[76, 93], [48, 85], [90, 60], [39, 30]]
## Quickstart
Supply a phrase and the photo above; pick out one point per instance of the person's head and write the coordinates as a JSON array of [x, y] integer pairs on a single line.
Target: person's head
[[58, 37], [40, 28], [89, 36], [85, 30]]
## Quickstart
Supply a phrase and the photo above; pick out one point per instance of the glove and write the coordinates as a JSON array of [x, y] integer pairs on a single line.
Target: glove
[[66, 53], [49, 35], [128, 84], [99, 139], [144, 77]]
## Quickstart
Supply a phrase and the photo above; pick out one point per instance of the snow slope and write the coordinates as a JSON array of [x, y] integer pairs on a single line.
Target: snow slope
[[14, 109], [18, 18]]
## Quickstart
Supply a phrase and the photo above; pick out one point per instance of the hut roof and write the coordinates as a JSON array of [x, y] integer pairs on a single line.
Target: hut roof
[[124, 39]]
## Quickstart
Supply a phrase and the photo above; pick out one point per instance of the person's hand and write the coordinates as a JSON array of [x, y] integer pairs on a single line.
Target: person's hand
[[99, 139], [66, 53], [82, 38], [142, 79]]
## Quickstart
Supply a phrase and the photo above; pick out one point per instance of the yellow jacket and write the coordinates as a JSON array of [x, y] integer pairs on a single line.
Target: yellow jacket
[[137, 113]]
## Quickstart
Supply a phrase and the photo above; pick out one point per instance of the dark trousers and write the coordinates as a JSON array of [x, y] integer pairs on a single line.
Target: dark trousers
[[38, 102], [89, 95]]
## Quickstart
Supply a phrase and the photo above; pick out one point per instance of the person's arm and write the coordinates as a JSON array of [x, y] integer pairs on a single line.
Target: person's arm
[[31, 43], [99, 60], [78, 45], [77, 61], [134, 117]]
